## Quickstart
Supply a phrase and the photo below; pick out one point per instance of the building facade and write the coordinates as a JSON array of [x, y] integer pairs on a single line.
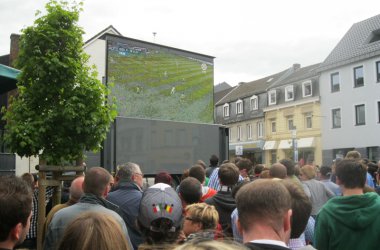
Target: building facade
[[350, 90]]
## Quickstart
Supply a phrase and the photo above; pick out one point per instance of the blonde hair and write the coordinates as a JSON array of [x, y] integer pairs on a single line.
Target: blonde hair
[[203, 213], [308, 171], [94, 230], [211, 245]]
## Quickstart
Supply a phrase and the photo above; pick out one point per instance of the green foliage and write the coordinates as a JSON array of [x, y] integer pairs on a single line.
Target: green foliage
[[61, 109]]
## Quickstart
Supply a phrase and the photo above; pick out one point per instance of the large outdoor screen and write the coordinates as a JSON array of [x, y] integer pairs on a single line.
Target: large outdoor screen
[[153, 81]]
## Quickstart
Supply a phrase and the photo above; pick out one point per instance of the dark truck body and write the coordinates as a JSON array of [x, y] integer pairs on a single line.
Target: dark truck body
[[158, 145]]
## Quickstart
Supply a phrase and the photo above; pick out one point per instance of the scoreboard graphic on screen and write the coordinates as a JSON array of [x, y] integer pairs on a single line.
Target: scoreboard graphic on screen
[[152, 81]]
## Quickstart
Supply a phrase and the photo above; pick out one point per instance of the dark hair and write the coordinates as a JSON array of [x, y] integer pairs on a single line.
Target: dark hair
[[325, 171], [96, 181], [198, 172], [228, 174], [351, 173], [372, 169], [301, 206], [244, 164], [162, 232], [290, 166], [190, 190], [163, 177], [236, 189], [29, 179], [259, 168], [214, 160], [263, 200], [185, 174], [16, 204]]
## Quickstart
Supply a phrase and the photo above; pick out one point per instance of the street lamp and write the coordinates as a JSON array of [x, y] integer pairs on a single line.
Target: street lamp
[[294, 142]]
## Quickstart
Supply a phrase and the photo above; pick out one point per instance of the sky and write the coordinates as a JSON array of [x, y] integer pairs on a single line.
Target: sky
[[249, 39]]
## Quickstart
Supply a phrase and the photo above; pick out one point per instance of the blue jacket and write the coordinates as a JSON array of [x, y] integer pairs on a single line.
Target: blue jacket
[[128, 196]]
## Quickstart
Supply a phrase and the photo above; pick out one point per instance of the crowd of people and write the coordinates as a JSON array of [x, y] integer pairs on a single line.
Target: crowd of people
[[232, 205]]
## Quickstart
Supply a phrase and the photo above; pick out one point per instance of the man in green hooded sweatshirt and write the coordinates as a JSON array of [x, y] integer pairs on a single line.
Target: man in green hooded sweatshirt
[[350, 221]]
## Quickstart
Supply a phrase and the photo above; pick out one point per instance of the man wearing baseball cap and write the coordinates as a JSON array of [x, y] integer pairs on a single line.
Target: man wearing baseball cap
[[160, 216]]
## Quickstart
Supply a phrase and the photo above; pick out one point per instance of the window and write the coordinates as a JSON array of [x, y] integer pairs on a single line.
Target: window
[[290, 123], [272, 97], [358, 77], [273, 156], [239, 133], [254, 102], [378, 112], [308, 120], [378, 71], [360, 114], [336, 118], [289, 93], [307, 89], [273, 126], [249, 131], [226, 110], [335, 82], [239, 107], [260, 131]]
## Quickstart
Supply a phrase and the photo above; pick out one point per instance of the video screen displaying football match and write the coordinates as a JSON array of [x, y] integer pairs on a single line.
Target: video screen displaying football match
[[152, 81]]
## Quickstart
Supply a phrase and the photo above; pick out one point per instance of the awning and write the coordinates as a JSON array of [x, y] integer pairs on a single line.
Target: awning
[[269, 145], [308, 142], [285, 144], [8, 78]]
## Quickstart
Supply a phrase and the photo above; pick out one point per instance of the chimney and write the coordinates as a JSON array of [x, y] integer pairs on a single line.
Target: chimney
[[15, 38], [296, 66]]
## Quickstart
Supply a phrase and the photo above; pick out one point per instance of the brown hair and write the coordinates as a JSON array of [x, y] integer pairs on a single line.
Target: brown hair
[[228, 174], [198, 172], [94, 230], [96, 181], [351, 173], [263, 200]]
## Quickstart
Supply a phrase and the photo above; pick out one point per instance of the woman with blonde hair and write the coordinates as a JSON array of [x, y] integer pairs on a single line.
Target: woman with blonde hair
[[94, 230], [201, 221], [318, 193]]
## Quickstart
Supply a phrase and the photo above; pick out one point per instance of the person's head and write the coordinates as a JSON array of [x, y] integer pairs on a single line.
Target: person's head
[[163, 177], [351, 174], [200, 216], [202, 163], [277, 170], [228, 174], [307, 172], [264, 204], [97, 181], [325, 172], [198, 172], [211, 245], [129, 172], [214, 160], [290, 166], [76, 188], [185, 174], [160, 214], [244, 165], [93, 230], [301, 208], [372, 169], [15, 210], [258, 169], [353, 155], [29, 179], [190, 190], [265, 174]]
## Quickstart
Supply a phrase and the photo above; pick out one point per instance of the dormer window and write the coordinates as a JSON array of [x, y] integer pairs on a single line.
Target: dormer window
[[239, 107], [307, 89], [289, 93], [272, 97], [226, 110], [254, 102]]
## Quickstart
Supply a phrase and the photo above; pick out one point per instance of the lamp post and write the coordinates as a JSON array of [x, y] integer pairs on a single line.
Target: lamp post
[[294, 142]]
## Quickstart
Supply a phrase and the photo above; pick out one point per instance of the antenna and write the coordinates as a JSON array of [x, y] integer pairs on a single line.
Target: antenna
[[154, 36]]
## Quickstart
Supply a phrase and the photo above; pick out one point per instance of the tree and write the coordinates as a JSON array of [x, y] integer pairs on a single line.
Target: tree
[[61, 109]]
